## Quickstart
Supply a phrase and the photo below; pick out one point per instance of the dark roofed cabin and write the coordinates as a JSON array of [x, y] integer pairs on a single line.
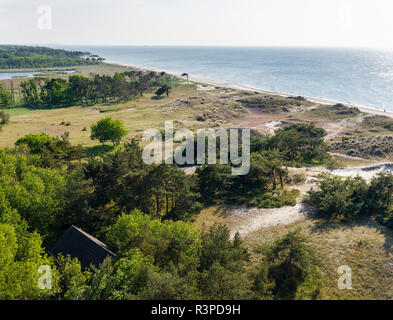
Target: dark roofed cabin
[[81, 245]]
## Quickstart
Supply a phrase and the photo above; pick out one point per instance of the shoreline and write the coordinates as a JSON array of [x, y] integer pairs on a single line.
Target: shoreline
[[241, 87]]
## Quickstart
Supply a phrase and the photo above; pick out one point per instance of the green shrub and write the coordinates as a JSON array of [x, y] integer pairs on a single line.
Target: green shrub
[[339, 198], [290, 265], [107, 129], [277, 200]]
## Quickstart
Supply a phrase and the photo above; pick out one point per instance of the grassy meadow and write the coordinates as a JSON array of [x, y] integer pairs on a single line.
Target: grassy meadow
[[139, 114]]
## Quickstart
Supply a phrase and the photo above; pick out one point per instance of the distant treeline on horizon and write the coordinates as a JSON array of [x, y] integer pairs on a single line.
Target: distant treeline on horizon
[[15, 57]]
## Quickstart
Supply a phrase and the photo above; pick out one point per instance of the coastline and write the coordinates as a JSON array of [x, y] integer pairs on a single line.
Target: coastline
[[241, 87]]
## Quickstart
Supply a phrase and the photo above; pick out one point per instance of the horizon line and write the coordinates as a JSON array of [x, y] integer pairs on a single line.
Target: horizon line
[[204, 46]]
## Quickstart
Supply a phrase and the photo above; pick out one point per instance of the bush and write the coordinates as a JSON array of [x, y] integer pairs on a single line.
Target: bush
[[301, 144], [277, 200], [5, 98], [52, 151], [296, 178], [163, 89], [4, 118], [389, 126], [36, 142], [290, 264], [380, 199], [339, 198]]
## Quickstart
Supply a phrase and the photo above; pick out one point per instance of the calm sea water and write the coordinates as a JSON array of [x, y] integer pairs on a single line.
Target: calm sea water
[[357, 76]]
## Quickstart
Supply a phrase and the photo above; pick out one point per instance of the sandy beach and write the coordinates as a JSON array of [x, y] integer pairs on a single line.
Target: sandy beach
[[236, 86]]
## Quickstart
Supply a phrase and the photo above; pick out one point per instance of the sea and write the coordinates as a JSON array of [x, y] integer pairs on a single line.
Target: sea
[[361, 77]]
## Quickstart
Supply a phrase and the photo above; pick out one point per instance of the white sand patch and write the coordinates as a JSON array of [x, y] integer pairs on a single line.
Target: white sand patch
[[272, 126], [366, 172], [189, 170], [248, 220], [205, 87]]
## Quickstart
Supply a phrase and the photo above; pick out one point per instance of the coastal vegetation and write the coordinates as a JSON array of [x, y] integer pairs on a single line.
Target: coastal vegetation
[[78, 89], [174, 230], [4, 119], [272, 104], [15, 57], [143, 213], [346, 199], [333, 112], [158, 252], [5, 97]]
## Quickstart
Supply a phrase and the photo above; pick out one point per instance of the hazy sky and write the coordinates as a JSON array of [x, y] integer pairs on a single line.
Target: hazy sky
[[366, 23]]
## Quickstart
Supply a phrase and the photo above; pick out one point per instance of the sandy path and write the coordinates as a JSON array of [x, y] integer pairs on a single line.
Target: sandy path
[[249, 220]]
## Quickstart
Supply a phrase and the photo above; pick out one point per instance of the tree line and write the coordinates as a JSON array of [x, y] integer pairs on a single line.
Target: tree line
[[79, 89], [17, 57]]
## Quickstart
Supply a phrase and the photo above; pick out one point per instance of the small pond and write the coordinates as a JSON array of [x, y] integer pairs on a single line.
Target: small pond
[[15, 75]]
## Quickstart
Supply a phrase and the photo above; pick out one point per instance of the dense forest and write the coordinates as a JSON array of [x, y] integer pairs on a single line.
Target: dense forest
[[16, 57]]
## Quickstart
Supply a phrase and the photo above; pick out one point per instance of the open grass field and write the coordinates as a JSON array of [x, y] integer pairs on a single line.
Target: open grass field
[[183, 106], [137, 116], [187, 105]]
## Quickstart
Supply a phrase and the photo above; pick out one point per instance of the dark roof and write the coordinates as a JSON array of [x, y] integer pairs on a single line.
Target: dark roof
[[81, 245]]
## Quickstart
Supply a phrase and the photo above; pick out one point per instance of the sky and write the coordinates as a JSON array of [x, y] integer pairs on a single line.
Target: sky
[[337, 23]]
